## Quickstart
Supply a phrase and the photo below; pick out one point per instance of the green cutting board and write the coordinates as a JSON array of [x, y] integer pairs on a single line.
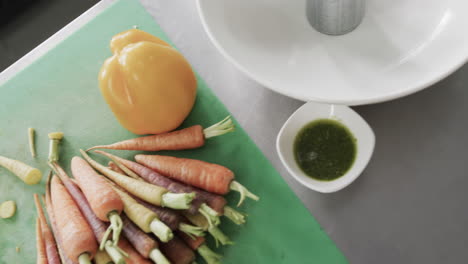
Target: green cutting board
[[59, 92]]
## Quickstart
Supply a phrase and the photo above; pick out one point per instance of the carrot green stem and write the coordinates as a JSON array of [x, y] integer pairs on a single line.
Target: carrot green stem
[[208, 255], [177, 200], [235, 216], [158, 257], [55, 139], [117, 224], [115, 253], [32, 142], [244, 192], [115, 227], [162, 231], [84, 259], [222, 127], [191, 230], [210, 214], [219, 236]]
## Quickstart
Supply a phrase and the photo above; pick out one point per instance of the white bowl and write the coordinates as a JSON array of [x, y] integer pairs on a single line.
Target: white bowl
[[312, 111], [401, 47]]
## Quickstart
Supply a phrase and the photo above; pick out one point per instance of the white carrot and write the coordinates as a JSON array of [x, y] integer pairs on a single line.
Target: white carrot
[[26, 173]]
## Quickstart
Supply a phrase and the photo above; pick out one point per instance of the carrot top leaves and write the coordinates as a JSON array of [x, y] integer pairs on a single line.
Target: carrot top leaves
[[237, 217], [208, 255], [244, 192], [191, 230], [210, 215], [222, 127]]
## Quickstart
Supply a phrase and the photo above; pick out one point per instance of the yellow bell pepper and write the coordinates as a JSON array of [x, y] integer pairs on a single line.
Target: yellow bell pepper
[[149, 85]]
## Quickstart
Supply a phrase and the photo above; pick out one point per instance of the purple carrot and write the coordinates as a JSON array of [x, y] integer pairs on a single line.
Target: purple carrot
[[170, 217], [177, 251], [142, 242], [49, 239]]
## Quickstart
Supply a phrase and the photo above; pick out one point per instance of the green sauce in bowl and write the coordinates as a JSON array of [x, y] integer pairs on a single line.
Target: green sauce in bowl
[[325, 149]]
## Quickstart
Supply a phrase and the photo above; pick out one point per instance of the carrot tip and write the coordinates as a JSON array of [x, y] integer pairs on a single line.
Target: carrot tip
[[219, 236], [191, 231]]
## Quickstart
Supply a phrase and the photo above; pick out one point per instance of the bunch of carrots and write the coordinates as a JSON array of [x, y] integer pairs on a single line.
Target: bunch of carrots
[[154, 209]]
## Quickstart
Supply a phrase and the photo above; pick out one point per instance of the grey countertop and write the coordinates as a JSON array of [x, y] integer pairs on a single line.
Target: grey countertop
[[409, 206]]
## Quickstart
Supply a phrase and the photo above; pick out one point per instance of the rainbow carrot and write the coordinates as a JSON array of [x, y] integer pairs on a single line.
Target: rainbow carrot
[[207, 176], [104, 201], [148, 192], [202, 198], [142, 242], [49, 240], [173, 219], [177, 252], [187, 138], [40, 245], [73, 229], [97, 226], [48, 203]]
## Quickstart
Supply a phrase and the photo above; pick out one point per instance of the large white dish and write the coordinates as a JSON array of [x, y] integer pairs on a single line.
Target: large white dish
[[401, 47]]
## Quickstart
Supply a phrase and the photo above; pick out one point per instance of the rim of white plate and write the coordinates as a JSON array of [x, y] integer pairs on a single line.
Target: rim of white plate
[[415, 87]]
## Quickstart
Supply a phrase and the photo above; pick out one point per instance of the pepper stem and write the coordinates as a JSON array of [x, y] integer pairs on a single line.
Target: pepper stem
[[210, 214], [158, 257], [162, 231], [235, 216], [244, 192], [191, 230], [84, 259], [115, 253], [208, 255], [219, 236], [222, 127], [177, 200]]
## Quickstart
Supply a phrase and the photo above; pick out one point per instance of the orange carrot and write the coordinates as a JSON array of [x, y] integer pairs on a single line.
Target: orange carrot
[[40, 245], [49, 240], [187, 138], [193, 242], [104, 201], [133, 256], [53, 224], [115, 168], [74, 231], [208, 176]]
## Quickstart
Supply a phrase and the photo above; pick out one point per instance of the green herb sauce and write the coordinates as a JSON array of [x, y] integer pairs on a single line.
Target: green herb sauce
[[325, 149]]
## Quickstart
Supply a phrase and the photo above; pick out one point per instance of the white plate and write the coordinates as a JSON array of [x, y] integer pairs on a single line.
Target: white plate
[[401, 47], [365, 142]]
